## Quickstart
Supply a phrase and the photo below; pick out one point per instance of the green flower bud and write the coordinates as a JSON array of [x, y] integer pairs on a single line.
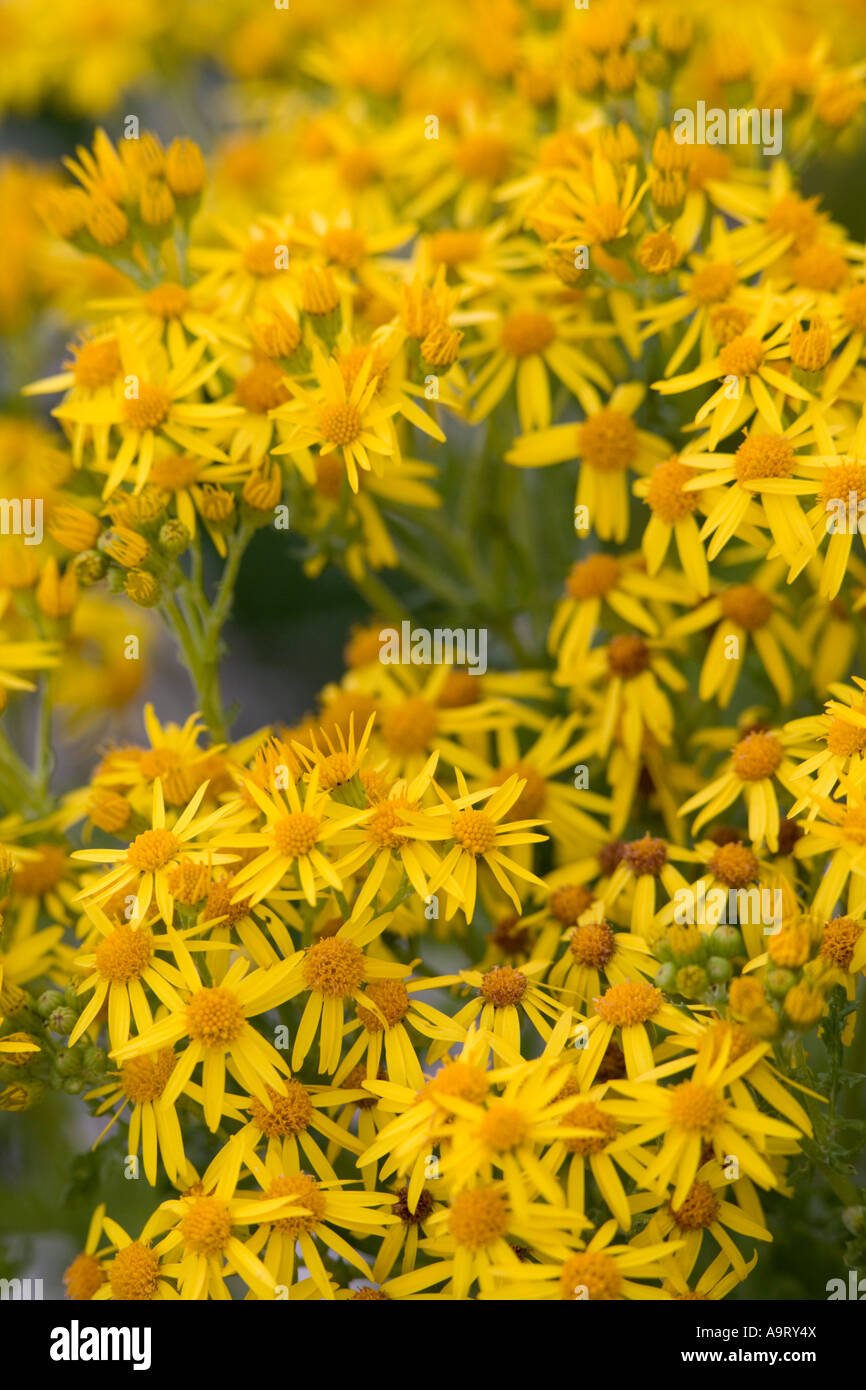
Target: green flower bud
[[779, 981], [174, 537], [74, 1085], [665, 977], [62, 1021], [48, 1001], [691, 981], [727, 941], [94, 1060], [68, 1062], [719, 970], [89, 567]]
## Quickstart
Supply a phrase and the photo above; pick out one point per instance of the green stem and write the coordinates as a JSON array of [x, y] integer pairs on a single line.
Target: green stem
[[855, 1062], [198, 626], [43, 756]]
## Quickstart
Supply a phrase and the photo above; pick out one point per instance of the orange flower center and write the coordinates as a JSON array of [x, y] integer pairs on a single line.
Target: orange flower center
[[568, 902], [296, 834], [408, 728], [215, 1017], [134, 1273], [149, 408], [474, 831], [713, 283], [756, 756], [696, 1108], [629, 1003], [845, 739], [593, 1271], [734, 865], [152, 850], [627, 656], [291, 1113], [665, 496], [263, 388], [594, 577], [340, 423], [167, 301], [764, 456], [742, 357], [334, 966], [746, 605], [524, 333], [144, 1079], [503, 986], [124, 953], [840, 937], [478, 1217], [392, 998], [97, 364], [699, 1209], [593, 944], [207, 1226], [587, 1115], [646, 856], [608, 441], [308, 1194]]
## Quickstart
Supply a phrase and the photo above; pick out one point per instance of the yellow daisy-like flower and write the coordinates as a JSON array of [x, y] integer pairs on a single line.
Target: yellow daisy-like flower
[[608, 443], [603, 1272], [704, 1209], [479, 836], [758, 760], [154, 1127], [597, 952], [135, 1273], [293, 839], [206, 1233], [694, 1113], [842, 729], [745, 365], [144, 866], [672, 510], [150, 404], [215, 1021], [626, 1009], [354, 420], [603, 588], [737, 614], [325, 1209]]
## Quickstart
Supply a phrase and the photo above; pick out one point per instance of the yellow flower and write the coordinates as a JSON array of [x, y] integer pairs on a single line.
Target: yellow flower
[[608, 443], [144, 866]]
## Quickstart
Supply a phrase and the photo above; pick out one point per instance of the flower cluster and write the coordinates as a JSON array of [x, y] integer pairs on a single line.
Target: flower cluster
[[530, 981]]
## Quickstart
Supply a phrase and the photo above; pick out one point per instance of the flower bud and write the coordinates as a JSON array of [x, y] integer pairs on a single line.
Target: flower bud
[[74, 528], [174, 537], [90, 566], [142, 587], [106, 222], [108, 810], [48, 1001], [156, 208], [185, 170]]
